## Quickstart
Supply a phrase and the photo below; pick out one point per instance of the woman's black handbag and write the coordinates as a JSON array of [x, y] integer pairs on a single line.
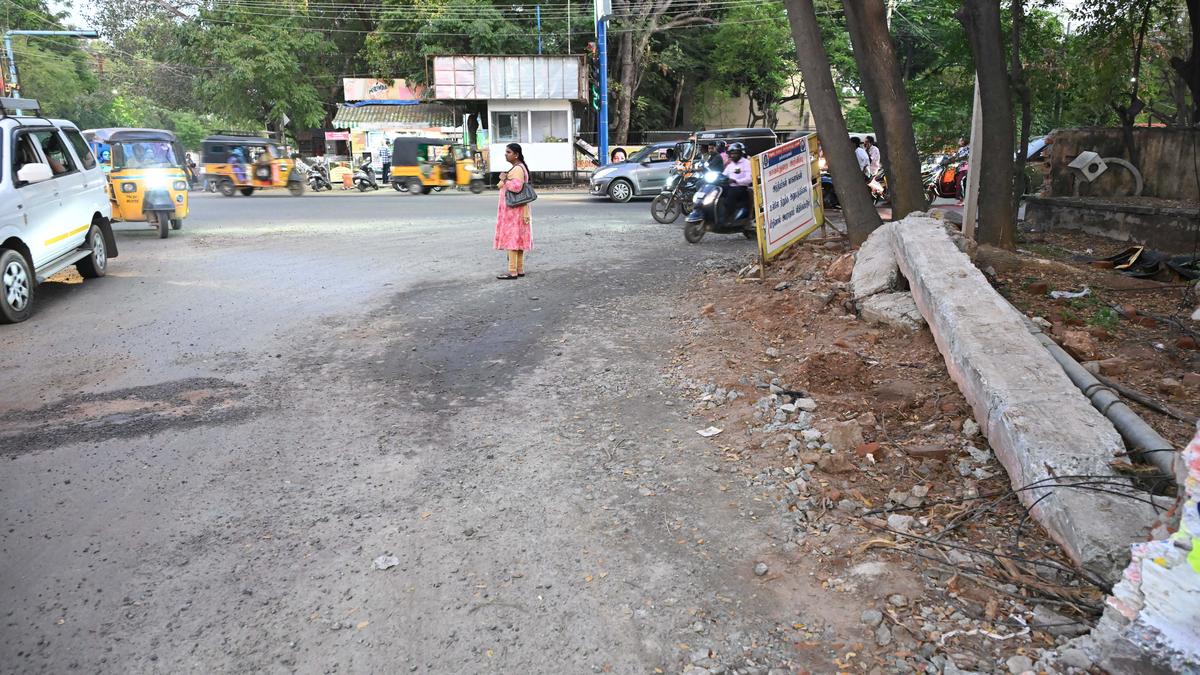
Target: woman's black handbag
[[521, 197]]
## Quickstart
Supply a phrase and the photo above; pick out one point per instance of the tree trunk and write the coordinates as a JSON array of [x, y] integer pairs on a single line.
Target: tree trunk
[[1021, 90], [887, 100], [993, 161], [625, 90], [857, 206], [1189, 70]]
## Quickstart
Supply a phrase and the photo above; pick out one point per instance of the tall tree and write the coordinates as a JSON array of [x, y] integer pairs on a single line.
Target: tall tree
[[888, 102], [261, 67], [756, 58], [859, 209], [1189, 68], [635, 23], [993, 163], [1021, 93]]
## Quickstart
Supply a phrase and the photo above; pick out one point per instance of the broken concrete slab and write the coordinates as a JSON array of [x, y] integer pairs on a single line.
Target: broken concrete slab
[[875, 269], [892, 309], [1149, 623], [1041, 426]]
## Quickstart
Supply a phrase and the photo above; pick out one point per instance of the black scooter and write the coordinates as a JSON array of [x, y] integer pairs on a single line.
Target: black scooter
[[364, 178], [317, 178], [714, 211]]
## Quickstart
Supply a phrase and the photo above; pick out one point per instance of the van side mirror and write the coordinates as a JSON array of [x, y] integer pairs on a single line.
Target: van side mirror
[[35, 173]]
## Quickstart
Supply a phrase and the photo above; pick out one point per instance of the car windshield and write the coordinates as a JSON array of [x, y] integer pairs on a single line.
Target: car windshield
[[144, 154]]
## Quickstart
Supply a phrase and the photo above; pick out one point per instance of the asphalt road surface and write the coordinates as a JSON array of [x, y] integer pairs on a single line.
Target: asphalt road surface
[[205, 452]]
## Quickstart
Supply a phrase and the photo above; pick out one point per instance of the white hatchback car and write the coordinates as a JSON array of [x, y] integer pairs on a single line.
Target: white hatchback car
[[54, 208]]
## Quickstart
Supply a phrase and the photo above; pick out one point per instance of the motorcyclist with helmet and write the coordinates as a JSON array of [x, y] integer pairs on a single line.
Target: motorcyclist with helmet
[[740, 177]]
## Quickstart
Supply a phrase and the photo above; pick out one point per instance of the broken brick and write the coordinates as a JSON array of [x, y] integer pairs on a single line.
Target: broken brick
[[930, 451]]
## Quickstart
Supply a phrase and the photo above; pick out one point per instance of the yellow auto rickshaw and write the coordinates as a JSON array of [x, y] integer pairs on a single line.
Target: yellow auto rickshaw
[[147, 180], [418, 167], [237, 163]]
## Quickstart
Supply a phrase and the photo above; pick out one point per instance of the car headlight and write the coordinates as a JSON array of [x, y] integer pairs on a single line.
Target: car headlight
[[128, 187], [601, 174], [711, 176], [158, 183], [710, 198]]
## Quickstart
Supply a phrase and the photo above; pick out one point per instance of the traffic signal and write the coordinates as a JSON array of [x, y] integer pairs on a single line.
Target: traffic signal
[[594, 72]]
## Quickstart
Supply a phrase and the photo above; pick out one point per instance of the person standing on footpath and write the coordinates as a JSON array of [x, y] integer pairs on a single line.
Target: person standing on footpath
[[385, 156], [514, 231]]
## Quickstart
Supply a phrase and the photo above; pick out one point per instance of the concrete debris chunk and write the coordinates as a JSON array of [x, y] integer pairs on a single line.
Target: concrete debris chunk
[[892, 309], [875, 269]]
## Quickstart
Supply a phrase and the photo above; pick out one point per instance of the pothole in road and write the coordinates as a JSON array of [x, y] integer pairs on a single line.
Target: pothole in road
[[124, 413]]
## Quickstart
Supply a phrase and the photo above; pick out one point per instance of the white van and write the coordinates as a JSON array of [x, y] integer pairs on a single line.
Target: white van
[[54, 208]]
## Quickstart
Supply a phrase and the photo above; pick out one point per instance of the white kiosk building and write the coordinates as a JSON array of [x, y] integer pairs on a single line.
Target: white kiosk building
[[529, 100]]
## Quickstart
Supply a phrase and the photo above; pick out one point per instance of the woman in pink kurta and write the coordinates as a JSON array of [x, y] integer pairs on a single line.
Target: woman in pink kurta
[[513, 230]]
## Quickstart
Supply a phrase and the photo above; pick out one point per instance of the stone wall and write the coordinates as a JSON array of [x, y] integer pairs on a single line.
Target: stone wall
[[1168, 158], [1170, 229]]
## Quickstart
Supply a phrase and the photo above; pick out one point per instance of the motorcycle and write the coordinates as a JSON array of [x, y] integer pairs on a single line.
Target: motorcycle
[[829, 198], [878, 186], [713, 211], [318, 179], [679, 190], [948, 178], [364, 178]]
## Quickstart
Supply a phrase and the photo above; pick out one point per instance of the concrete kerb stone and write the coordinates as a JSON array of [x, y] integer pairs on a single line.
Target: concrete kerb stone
[[1041, 426]]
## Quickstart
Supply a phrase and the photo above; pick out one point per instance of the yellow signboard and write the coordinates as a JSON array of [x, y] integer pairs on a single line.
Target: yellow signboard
[[787, 197]]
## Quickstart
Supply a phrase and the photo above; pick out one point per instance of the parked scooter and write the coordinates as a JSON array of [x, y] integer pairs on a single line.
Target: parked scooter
[[829, 198], [878, 185], [318, 179], [714, 211], [948, 179], [364, 178]]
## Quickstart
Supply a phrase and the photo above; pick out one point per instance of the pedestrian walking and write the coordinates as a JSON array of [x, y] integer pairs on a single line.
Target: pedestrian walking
[[876, 165], [514, 231]]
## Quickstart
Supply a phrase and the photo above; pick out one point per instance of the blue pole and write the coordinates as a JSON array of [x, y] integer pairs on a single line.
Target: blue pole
[[538, 11], [602, 49]]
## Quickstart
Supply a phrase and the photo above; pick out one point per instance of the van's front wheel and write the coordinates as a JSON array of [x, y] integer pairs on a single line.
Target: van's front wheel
[[16, 287]]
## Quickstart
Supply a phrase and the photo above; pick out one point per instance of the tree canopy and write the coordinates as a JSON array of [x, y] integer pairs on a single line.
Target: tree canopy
[[198, 64]]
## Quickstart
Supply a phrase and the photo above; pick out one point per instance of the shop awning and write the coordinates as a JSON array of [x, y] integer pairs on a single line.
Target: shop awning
[[396, 115]]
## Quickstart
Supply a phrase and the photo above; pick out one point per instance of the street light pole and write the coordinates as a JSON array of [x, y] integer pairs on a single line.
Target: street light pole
[[603, 11], [12, 62]]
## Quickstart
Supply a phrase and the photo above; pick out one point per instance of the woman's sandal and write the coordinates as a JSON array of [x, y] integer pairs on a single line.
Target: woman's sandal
[[507, 276]]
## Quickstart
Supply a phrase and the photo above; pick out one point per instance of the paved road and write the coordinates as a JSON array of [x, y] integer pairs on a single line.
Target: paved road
[[205, 451]]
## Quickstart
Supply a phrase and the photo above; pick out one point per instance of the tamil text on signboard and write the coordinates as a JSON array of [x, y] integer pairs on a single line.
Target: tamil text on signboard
[[787, 196]]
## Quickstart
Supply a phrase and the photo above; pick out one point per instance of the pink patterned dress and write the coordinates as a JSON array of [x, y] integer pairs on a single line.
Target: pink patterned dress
[[513, 231]]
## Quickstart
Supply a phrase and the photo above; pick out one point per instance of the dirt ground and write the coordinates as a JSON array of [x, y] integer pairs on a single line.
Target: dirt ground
[[914, 493]]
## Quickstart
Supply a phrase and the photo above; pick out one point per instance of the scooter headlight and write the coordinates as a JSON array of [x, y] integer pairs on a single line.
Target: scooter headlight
[[711, 177]]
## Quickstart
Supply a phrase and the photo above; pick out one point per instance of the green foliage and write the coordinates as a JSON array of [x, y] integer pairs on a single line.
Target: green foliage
[[260, 67], [756, 56], [450, 27]]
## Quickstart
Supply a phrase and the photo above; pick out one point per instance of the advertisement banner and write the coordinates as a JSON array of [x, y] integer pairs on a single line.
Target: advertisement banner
[[370, 89], [337, 135], [788, 208]]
